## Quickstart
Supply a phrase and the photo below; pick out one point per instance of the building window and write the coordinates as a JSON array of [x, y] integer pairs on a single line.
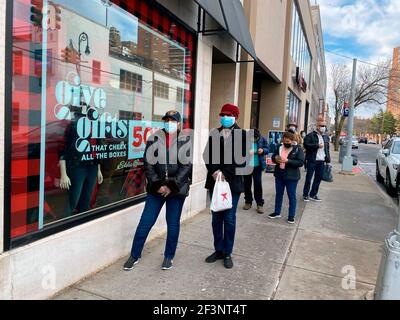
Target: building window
[[161, 89], [292, 108], [300, 51], [129, 115], [93, 110], [96, 71], [131, 81]]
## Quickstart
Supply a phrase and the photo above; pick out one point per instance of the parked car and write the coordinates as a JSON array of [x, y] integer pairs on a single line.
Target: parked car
[[363, 140], [371, 141], [387, 165]]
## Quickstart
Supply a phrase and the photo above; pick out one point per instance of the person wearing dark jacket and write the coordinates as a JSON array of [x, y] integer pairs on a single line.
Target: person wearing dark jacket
[[316, 144], [258, 152], [289, 159], [224, 146], [168, 182]]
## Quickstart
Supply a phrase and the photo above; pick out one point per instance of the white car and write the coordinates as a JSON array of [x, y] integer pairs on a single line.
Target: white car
[[387, 163], [354, 143]]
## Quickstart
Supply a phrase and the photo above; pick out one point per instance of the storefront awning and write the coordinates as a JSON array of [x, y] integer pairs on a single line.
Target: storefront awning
[[214, 9], [233, 20]]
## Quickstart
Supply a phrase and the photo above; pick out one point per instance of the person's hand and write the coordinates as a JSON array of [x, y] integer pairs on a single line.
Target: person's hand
[[278, 159], [99, 177], [65, 182], [165, 191], [161, 190], [251, 152], [215, 175], [321, 145], [284, 160], [260, 151]]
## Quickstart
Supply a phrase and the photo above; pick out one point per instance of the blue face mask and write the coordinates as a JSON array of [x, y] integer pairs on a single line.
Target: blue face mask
[[171, 126], [227, 122]]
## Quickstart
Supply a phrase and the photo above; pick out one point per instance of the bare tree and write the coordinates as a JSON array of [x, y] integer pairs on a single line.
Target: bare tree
[[371, 89]]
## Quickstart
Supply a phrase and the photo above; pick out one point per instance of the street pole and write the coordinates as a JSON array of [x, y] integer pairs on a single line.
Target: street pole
[[347, 165]]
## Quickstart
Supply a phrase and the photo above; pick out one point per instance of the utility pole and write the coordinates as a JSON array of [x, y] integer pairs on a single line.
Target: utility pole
[[347, 165]]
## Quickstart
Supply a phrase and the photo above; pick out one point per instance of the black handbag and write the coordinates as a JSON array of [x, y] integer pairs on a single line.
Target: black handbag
[[327, 174]]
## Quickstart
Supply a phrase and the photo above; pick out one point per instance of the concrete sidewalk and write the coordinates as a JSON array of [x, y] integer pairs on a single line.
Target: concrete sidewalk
[[312, 259]]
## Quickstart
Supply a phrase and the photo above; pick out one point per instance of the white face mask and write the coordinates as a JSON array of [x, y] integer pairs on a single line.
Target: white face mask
[[322, 130]]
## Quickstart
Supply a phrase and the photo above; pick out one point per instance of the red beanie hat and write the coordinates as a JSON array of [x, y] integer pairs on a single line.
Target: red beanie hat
[[230, 110]]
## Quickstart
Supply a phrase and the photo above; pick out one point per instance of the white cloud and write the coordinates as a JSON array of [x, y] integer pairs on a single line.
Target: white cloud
[[370, 23], [367, 29]]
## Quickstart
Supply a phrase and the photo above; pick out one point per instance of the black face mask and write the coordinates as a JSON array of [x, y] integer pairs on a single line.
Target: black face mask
[[287, 145]]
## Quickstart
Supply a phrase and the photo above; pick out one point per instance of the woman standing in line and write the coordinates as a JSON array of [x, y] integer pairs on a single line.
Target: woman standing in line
[[289, 159]]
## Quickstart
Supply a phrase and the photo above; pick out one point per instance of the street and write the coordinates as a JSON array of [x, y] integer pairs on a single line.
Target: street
[[367, 162]]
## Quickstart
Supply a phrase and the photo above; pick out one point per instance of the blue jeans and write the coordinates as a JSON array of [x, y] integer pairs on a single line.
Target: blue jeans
[[256, 176], [149, 217], [291, 187], [316, 167], [224, 227]]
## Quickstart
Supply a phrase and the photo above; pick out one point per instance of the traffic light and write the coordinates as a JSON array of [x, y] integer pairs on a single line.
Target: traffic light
[[58, 17], [69, 55], [36, 12]]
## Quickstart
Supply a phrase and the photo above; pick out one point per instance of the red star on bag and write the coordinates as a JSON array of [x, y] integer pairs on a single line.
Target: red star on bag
[[224, 196]]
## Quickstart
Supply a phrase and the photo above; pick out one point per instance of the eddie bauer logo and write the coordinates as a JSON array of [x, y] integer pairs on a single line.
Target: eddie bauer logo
[[69, 94], [128, 164]]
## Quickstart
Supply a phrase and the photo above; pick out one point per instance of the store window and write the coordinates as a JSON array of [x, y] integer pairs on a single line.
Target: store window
[[86, 85], [300, 51], [292, 108]]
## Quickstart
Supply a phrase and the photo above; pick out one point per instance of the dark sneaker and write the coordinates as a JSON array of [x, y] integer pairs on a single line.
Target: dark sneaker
[[130, 263], [247, 206], [217, 255], [306, 199], [167, 264], [315, 198], [228, 263], [290, 220], [274, 215]]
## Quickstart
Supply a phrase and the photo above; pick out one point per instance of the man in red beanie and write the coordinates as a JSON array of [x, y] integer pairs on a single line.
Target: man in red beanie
[[225, 141]]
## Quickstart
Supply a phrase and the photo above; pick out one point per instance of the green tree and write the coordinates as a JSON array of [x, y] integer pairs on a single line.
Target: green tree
[[384, 123]]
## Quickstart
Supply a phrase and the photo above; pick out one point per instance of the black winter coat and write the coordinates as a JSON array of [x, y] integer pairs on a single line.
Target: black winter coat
[[292, 168], [228, 168], [163, 164], [311, 144]]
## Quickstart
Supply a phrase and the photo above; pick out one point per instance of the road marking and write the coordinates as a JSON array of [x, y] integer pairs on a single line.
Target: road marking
[[366, 163]]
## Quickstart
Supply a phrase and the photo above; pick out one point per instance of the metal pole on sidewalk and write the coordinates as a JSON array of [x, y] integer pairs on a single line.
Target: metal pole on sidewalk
[[388, 283], [347, 165]]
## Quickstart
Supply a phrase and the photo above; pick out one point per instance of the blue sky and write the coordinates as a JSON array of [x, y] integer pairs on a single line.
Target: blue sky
[[96, 11], [365, 29]]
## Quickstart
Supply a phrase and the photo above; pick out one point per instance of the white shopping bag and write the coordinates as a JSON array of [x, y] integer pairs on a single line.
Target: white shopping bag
[[222, 197]]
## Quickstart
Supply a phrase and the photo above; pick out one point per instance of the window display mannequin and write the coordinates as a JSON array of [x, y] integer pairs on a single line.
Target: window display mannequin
[[78, 176]]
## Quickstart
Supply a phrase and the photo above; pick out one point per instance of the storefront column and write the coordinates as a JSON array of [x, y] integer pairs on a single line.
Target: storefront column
[[2, 83], [202, 106]]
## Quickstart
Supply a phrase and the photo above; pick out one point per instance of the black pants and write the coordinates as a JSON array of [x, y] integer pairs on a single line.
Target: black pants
[[256, 176], [83, 180], [316, 167]]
